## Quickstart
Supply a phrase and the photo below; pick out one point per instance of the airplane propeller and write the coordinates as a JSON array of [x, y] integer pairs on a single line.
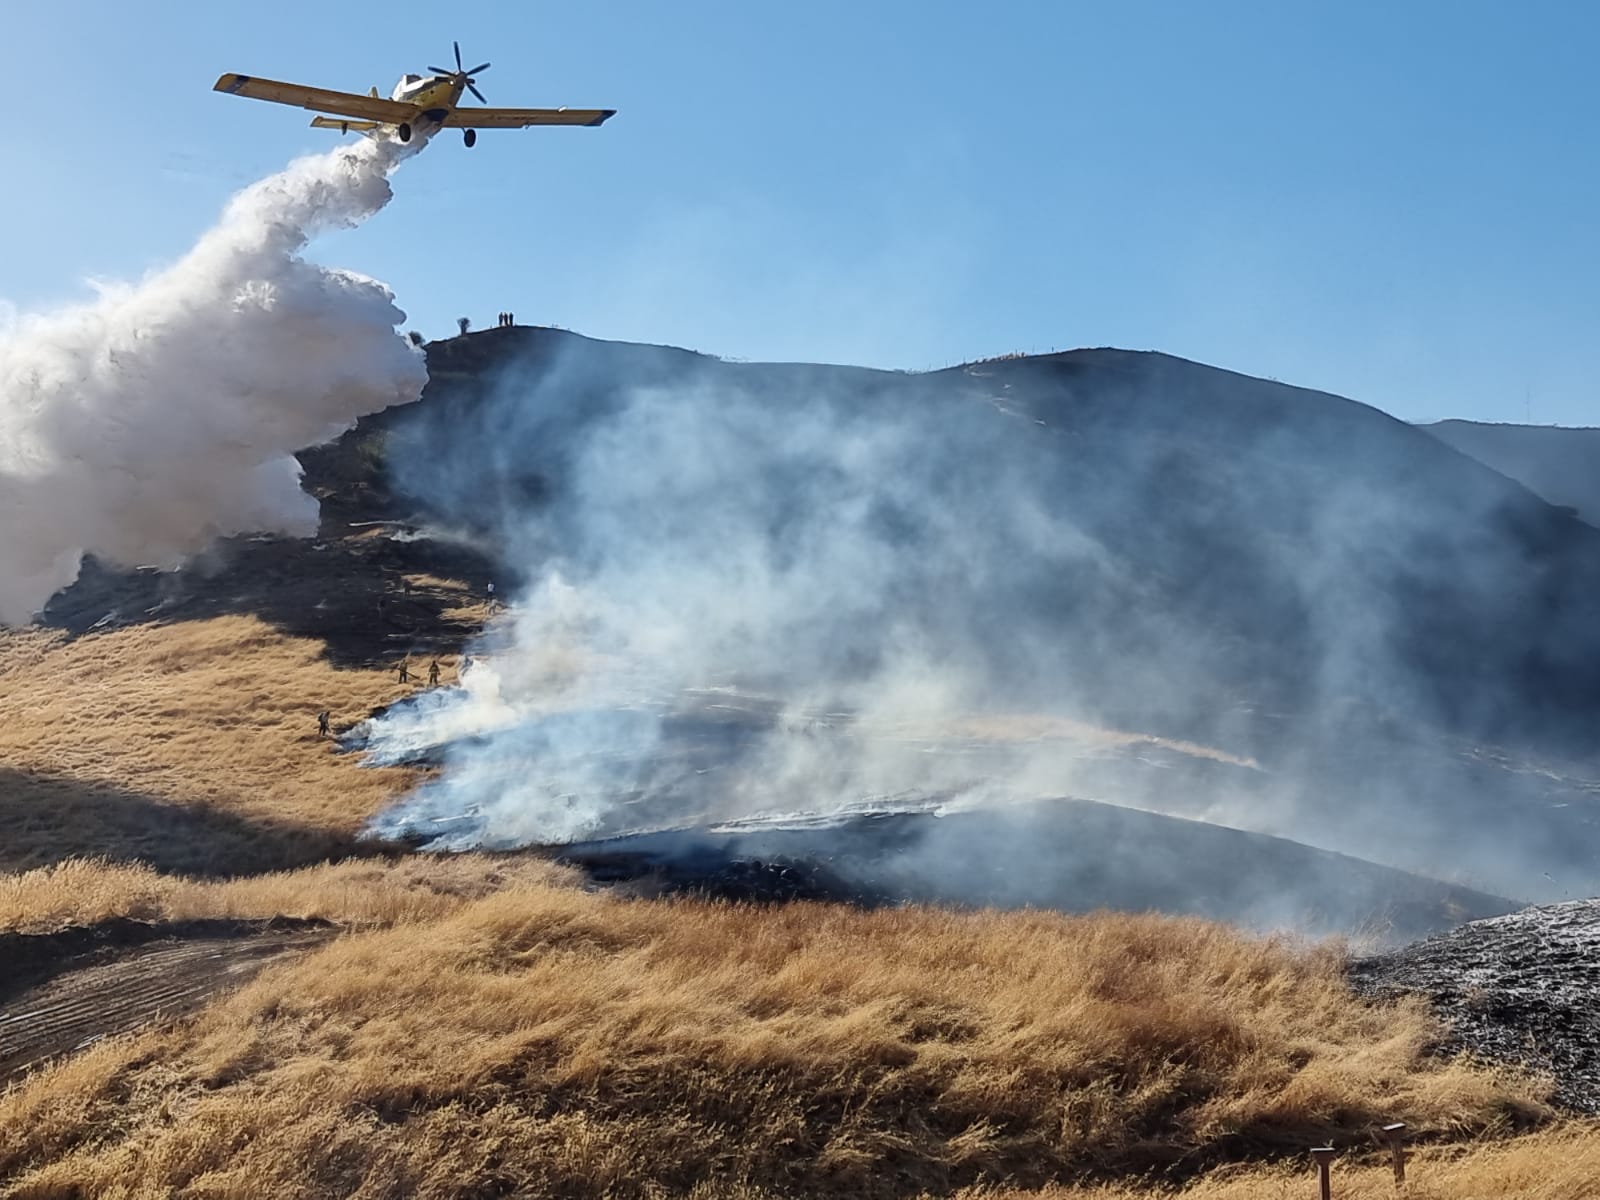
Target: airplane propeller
[[464, 76]]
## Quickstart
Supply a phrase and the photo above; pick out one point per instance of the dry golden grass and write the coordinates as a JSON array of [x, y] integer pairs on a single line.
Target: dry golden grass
[[434, 583], [100, 735], [1555, 1164], [469, 608], [495, 1030], [470, 612], [550, 1041], [362, 892]]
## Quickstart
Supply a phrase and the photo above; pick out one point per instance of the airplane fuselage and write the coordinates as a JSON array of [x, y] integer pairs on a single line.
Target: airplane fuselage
[[428, 92], [434, 96]]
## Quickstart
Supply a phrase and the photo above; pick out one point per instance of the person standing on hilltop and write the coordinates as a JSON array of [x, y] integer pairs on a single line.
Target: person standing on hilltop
[[322, 724], [404, 670], [433, 673]]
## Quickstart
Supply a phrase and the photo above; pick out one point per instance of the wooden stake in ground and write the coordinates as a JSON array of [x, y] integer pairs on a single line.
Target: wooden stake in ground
[[1395, 1135], [1323, 1157]]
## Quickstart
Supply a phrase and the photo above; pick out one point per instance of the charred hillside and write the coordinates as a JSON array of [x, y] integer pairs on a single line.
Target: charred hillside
[[1070, 856], [1379, 633], [1201, 545], [1520, 988]]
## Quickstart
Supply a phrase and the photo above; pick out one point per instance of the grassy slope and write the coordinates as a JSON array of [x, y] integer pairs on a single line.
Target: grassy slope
[[549, 1039], [1557, 1164], [357, 892], [113, 742], [495, 1027]]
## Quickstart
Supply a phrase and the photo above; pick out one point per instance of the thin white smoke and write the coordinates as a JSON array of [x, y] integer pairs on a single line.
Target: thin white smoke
[[741, 617], [142, 425]]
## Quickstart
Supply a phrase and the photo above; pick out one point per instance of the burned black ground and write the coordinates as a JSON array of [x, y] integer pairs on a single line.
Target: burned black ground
[[1522, 989], [1068, 855]]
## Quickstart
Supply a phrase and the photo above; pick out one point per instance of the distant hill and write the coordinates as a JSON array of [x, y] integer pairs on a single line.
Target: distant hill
[[1559, 465]]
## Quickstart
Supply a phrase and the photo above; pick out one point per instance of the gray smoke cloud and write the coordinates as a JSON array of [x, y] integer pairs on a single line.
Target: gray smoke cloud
[[729, 615], [164, 414], [762, 591]]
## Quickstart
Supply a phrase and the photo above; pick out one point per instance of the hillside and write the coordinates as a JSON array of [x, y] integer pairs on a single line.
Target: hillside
[[1263, 607], [1225, 507], [1386, 629], [1557, 464], [554, 1042], [245, 993]]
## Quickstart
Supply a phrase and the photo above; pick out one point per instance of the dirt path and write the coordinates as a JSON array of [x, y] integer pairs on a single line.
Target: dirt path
[[159, 981]]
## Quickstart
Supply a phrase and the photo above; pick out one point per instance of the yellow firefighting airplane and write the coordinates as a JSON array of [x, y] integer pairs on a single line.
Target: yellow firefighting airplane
[[418, 102]]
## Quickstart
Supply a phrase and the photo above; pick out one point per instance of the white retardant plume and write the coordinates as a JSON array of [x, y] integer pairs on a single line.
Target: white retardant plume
[[142, 425]]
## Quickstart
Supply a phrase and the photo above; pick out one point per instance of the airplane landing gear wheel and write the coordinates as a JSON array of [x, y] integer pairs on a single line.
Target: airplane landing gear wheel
[[405, 133], [469, 136]]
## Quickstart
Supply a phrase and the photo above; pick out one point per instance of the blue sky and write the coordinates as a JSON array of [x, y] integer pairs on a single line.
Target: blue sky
[[1393, 201]]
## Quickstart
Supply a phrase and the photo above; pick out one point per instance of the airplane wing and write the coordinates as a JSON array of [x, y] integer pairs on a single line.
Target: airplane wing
[[520, 118], [340, 104], [342, 125]]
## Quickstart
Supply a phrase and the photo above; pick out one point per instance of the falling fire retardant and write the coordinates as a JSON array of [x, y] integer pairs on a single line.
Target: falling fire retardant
[[142, 425]]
